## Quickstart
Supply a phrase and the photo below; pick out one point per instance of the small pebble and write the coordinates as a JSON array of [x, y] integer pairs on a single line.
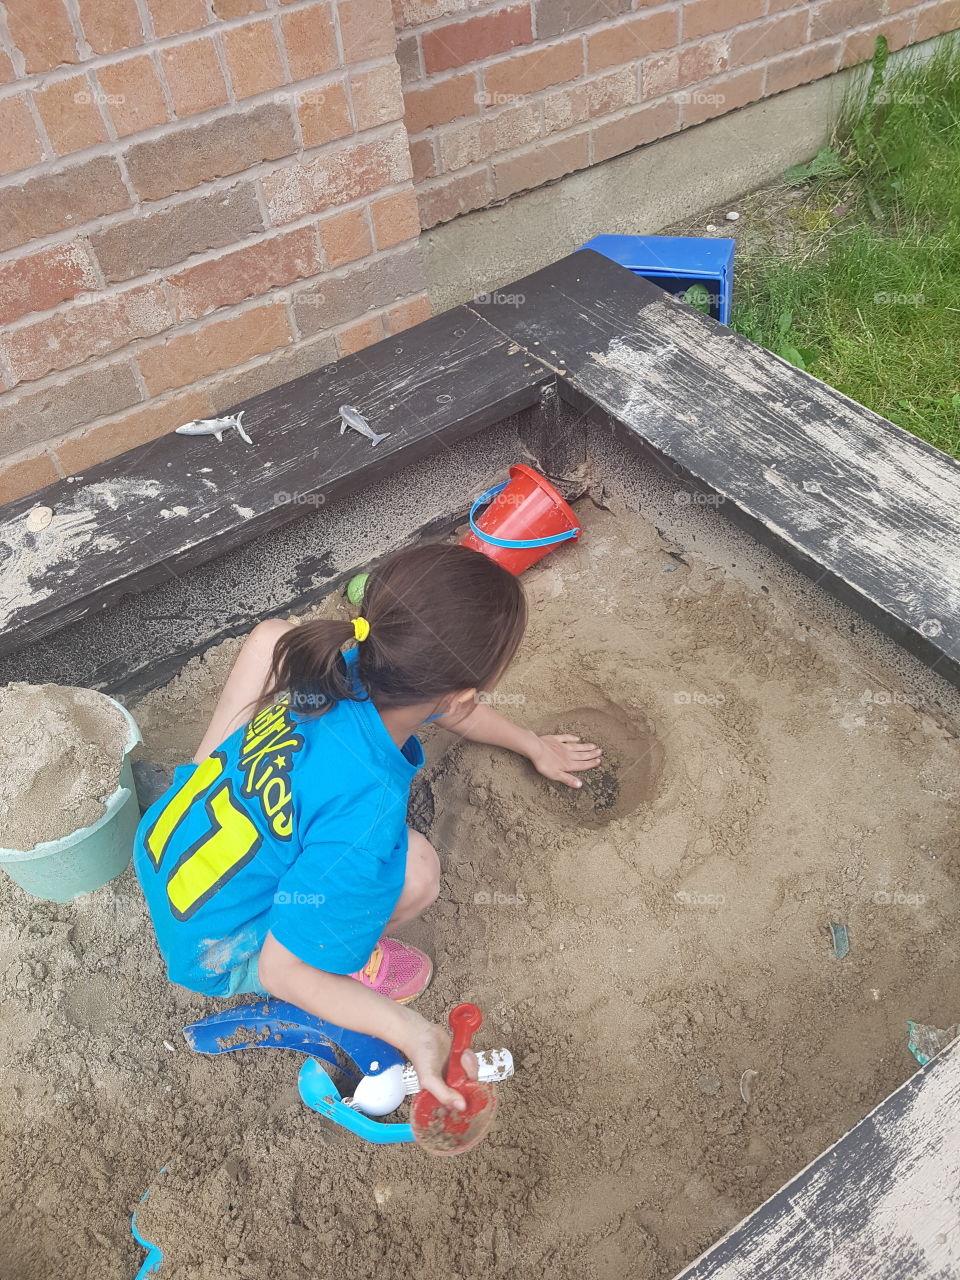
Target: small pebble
[[732, 216], [711, 226], [168, 1045], [38, 518]]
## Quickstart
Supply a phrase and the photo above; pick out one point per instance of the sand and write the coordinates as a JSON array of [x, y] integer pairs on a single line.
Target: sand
[[638, 947], [60, 755]]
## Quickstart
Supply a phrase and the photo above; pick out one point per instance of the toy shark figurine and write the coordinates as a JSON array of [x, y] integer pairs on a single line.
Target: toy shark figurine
[[350, 417], [215, 427]]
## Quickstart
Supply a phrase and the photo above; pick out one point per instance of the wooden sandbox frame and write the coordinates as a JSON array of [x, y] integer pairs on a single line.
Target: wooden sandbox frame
[[864, 509]]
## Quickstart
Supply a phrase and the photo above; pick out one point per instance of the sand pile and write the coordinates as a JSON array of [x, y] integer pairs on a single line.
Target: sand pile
[[60, 755], [638, 947]]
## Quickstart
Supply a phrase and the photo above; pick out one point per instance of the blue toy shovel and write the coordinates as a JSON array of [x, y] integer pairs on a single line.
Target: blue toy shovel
[[275, 1024]]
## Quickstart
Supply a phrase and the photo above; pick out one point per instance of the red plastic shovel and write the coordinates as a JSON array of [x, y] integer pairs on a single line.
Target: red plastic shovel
[[438, 1128]]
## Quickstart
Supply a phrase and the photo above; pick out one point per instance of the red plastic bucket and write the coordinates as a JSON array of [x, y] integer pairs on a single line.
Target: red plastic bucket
[[525, 518]]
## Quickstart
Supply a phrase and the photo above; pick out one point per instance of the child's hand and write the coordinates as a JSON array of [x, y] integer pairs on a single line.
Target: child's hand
[[559, 755], [428, 1049]]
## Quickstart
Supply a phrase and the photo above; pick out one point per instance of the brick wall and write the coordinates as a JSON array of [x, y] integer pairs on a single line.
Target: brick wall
[[502, 97], [200, 199]]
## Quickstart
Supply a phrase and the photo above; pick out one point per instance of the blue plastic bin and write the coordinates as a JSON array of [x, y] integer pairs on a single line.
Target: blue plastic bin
[[675, 263]]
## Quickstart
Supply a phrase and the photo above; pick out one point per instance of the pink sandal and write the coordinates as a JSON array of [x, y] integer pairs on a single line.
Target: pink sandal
[[396, 970]]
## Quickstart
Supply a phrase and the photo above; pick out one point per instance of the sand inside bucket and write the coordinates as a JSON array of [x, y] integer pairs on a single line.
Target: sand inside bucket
[[61, 750]]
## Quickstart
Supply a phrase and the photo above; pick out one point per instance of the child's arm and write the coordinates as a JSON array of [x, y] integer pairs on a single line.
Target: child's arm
[[350, 1004], [556, 756]]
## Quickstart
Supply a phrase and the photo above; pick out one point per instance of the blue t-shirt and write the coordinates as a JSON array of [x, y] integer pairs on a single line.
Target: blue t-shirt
[[295, 825]]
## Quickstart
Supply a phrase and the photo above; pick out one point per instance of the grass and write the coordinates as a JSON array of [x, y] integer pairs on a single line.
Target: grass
[[866, 293]]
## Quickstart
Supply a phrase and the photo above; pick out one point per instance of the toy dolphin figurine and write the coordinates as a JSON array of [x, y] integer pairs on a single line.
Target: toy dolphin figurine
[[215, 427], [350, 417]]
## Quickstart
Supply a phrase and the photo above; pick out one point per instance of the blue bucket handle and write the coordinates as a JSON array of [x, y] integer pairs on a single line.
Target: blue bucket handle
[[513, 544]]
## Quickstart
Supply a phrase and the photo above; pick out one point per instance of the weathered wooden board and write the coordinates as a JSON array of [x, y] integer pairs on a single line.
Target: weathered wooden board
[[864, 507], [883, 1203], [180, 501]]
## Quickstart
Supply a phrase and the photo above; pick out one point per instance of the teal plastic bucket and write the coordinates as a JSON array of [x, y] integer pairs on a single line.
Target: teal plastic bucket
[[59, 870]]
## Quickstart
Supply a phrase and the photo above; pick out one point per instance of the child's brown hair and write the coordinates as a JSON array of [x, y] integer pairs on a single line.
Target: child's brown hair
[[442, 619]]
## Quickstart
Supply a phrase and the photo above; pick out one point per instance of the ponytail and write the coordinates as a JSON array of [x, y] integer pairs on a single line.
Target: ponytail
[[438, 619]]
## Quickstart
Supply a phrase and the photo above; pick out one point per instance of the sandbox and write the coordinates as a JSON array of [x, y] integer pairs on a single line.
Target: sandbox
[[639, 947], [655, 950]]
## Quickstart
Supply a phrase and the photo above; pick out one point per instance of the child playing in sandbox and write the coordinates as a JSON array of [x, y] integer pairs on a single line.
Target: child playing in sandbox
[[279, 858]]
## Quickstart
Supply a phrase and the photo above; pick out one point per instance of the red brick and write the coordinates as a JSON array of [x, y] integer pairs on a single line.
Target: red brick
[[193, 76], [672, 71], [360, 334], [70, 115], [395, 218], [45, 279], [67, 338], [836, 17], [7, 73], [457, 43], [173, 17], [29, 416], [706, 17], [345, 237], [187, 357], [310, 41], [134, 95], [181, 159], [859, 45], [645, 124], [404, 315], [449, 197], [23, 476], [253, 59], [134, 246], [523, 73], [245, 273], [579, 102], [495, 132], [441, 102], [936, 20], [21, 146], [537, 165], [408, 58], [139, 426], [109, 25], [366, 286], [635, 37], [558, 17], [802, 67], [767, 39], [237, 8], [704, 102], [60, 201], [324, 114], [337, 176], [305, 356], [366, 29], [423, 159], [377, 96], [45, 44]]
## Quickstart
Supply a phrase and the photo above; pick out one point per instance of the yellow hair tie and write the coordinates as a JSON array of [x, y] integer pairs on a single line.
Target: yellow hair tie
[[361, 628]]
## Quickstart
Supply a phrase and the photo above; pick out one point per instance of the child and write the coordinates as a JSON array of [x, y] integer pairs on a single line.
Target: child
[[279, 858]]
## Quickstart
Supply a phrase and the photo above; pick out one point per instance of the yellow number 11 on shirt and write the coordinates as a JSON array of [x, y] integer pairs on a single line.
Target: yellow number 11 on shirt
[[206, 865]]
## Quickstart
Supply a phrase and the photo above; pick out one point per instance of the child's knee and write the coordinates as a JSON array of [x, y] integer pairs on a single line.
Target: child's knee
[[266, 634], [423, 869]]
